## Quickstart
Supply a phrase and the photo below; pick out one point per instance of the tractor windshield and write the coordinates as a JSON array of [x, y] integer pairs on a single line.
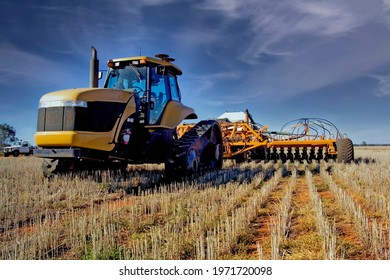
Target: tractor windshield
[[128, 77]]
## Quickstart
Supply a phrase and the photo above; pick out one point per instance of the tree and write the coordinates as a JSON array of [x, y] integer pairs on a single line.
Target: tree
[[7, 134]]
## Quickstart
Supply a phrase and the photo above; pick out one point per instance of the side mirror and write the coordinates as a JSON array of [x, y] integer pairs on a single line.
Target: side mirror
[[100, 75], [151, 105]]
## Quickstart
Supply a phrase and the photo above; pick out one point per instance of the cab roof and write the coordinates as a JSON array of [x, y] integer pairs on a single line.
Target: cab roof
[[161, 59]]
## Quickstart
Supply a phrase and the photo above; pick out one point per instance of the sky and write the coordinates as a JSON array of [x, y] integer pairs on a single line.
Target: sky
[[282, 60]]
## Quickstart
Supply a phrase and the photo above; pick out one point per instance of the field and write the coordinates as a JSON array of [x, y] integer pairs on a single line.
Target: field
[[264, 210]]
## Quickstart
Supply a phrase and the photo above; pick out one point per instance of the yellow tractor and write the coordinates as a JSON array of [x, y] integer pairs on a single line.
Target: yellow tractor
[[132, 119]]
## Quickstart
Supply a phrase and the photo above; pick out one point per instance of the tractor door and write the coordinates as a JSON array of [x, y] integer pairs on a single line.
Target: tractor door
[[163, 89]]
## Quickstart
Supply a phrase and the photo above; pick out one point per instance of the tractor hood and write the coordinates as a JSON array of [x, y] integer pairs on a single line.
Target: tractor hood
[[82, 117], [79, 96]]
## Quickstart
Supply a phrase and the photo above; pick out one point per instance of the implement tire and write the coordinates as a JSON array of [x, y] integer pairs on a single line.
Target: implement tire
[[345, 152]]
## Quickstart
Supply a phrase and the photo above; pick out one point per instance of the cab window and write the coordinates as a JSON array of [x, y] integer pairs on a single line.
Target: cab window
[[174, 88], [128, 77], [160, 95]]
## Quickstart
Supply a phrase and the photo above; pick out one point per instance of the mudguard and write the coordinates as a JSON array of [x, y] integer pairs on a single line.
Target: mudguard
[[174, 113]]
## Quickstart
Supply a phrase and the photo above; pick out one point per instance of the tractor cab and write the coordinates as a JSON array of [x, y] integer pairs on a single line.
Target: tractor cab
[[152, 81]]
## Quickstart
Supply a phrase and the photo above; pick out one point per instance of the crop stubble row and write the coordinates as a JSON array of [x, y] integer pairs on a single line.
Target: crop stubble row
[[299, 213]]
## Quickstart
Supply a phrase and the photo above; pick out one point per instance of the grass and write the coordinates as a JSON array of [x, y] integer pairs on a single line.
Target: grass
[[240, 213]]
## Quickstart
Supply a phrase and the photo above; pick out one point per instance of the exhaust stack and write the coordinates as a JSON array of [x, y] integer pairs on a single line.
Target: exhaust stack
[[94, 69]]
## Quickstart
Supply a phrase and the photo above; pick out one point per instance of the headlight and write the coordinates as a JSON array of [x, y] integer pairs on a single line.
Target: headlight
[[70, 103]]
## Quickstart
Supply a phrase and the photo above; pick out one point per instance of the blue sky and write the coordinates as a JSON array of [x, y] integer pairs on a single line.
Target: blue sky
[[282, 59]]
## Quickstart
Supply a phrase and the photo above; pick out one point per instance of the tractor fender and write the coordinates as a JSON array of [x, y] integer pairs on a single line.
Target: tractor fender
[[174, 113]]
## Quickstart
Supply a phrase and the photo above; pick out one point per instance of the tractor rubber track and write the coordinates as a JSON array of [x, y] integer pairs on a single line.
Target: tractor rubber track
[[195, 143]]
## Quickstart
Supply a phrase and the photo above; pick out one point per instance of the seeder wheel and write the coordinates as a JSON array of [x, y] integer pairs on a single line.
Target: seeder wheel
[[344, 147]]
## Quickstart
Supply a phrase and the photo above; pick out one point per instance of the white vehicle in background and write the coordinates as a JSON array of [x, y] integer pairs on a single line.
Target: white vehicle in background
[[24, 148]]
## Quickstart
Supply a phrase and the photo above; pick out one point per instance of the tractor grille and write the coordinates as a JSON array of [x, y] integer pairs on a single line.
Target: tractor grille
[[97, 117]]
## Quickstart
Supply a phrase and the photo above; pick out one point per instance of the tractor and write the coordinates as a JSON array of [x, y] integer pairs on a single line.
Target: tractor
[[132, 119]]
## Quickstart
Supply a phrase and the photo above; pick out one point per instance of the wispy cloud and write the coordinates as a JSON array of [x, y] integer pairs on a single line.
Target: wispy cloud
[[205, 82], [383, 87], [230, 8], [386, 4], [22, 65], [312, 44], [328, 17], [276, 25]]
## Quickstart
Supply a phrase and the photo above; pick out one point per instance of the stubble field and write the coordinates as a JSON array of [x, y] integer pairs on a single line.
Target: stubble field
[[257, 210]]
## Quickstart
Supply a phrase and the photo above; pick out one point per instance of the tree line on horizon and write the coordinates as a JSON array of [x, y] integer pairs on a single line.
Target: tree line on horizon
[[7, 135]]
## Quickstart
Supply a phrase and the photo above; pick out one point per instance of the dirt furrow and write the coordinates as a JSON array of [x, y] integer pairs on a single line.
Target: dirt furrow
[[349, 244], [261, 226]]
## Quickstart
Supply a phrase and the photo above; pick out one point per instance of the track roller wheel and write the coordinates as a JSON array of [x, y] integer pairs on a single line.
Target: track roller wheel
[[192, 161], [345, 152]]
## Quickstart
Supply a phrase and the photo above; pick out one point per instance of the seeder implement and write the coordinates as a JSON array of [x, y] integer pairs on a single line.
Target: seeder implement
[[302, 139]]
